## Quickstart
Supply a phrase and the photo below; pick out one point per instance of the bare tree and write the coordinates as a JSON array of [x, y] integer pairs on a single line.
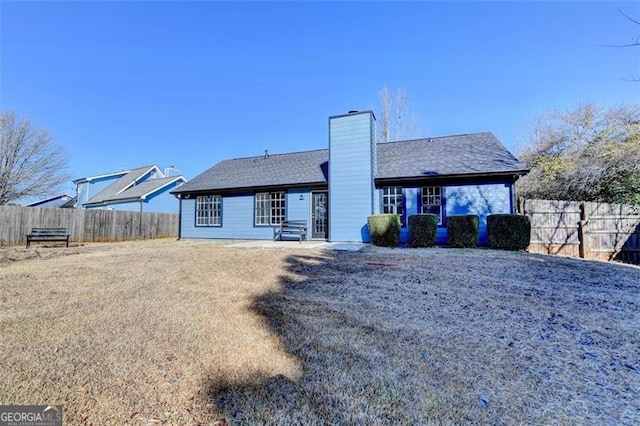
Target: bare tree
[[635, 41], [590, 154], [31, 164], [395, 121]]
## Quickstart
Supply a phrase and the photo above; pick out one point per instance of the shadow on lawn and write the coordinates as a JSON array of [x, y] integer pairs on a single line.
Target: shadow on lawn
[[318, 315], [274, 399], [401, 340]]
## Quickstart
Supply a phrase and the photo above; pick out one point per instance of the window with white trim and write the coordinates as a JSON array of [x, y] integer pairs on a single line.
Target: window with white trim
[[431, 201], [209, 210], [393, 201], [270, 208]]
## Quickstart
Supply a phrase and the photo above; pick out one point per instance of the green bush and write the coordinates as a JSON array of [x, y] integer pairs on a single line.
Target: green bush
[[422, 230], [384, 229], [463, 230], [509, 231]]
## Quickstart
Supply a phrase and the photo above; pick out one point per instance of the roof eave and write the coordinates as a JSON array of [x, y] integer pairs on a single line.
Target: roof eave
[[170, 182], [106, 175], [117, 201], [514, 174], [248, 189]]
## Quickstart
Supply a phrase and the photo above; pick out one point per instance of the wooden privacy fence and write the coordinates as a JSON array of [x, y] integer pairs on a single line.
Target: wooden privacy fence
[[589, 230], [85, 225]]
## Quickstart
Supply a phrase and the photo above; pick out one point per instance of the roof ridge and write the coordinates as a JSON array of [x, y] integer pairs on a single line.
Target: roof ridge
[[326, 149], [274, 155], [437, 137]]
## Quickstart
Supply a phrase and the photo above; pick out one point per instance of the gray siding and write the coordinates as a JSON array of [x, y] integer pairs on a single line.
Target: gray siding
[[299, 209], [162, 201], [481, 199], [351, 156], [238, 217]]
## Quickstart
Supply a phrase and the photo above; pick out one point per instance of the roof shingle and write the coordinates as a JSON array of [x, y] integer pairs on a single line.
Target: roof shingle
[[468, 154], [112, 191]]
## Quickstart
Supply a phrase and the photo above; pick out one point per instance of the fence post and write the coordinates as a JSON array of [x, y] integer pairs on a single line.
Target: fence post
[[520, 205], [583, 232]]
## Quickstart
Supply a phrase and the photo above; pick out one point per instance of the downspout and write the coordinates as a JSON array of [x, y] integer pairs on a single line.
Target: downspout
[[514, 195], [179, 216]]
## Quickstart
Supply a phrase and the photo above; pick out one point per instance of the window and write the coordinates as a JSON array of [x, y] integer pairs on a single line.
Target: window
[[270, 208], [432, 201], [393, 201], [209, 210]]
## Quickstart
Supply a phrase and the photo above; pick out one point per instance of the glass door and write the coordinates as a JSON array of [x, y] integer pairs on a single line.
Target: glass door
[[320, 215]]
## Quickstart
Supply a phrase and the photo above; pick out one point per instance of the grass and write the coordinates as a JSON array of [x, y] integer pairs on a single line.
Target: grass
[[190, 333]]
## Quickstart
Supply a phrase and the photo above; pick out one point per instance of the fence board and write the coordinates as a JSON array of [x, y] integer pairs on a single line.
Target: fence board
[[85, 225], [591, 230]]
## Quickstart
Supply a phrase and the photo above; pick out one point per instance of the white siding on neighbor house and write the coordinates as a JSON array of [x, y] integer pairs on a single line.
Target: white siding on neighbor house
[[351, 186], [238, 217]]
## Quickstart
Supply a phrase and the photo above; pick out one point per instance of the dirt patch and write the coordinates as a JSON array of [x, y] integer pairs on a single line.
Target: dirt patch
[[191, 332], [17, 254]]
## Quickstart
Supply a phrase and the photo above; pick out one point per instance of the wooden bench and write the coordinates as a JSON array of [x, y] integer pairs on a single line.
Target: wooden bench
[[291, 228], [48, 234]]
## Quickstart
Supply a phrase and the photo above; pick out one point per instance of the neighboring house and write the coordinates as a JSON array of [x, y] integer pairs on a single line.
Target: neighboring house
[[142, 189], [336, 189], [56, 201]]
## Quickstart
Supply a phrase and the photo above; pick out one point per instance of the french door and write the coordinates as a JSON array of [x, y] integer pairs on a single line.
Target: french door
[[319, 215]]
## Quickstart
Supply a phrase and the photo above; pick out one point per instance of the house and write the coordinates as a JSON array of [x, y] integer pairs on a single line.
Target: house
[[142, 189], [336, 189], [56, 201]]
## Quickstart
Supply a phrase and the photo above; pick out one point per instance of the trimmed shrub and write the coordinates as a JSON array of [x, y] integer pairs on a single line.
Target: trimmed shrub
[[463, 230], [384, 229], [422, 230], [509, 231]]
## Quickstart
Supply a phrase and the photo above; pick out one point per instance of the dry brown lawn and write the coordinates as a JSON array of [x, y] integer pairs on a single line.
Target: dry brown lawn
[[193, 332]]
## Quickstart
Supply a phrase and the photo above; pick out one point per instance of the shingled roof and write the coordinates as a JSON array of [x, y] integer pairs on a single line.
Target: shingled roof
[[447, 156], [120, 185], [469, 154], [126, 188], [296, 168]]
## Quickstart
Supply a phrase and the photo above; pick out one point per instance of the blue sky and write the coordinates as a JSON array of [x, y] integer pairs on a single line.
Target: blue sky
[[125, 84]]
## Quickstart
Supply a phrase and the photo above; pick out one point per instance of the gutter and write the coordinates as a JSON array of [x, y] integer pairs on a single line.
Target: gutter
[[251, 189], [514, 174]]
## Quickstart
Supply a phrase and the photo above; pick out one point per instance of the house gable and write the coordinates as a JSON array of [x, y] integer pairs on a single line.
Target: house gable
[[141, 189]]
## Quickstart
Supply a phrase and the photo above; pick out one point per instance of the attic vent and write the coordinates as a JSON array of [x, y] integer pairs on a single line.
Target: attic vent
[[266, 154]]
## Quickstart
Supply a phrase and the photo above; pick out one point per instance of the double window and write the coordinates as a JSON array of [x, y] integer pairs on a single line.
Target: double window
[[270, 208], [393, 201], [431, 201], [209, 210]]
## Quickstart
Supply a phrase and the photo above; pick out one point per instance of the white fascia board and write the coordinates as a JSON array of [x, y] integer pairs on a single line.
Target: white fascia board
[[106, 175], [144, 196]]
